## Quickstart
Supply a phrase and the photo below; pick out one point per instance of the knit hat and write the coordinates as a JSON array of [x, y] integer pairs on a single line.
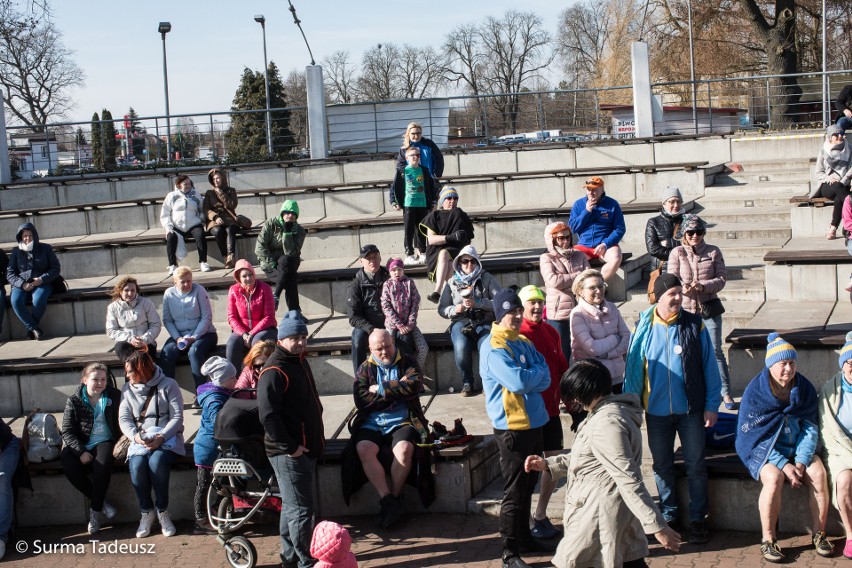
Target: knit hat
[[290, 206], [831, 130], [846, 352], [594, 182], [670, 192], [530, 292], [778, 350], [394, 262], [218, 369], [504, 302], [665, 282], [445, 193], [292, 324]]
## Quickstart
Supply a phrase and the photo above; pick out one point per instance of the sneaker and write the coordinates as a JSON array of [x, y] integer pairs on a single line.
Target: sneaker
[[847, 550], [467, 390], [202, 527], [544, 529], [822, 545], [514, 561], [94, 522], [421, 257], [172, 268], [433, 297], [204, 267], [770, 551], [166, 524], [409, 260], [108, 511], [145, 524], [698, 533], [394, 510]]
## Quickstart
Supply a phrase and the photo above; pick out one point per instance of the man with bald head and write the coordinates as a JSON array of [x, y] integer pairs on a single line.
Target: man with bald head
[[389, 421]]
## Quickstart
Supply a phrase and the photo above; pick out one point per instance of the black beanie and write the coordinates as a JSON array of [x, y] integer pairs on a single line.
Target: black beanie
[[664, 282]]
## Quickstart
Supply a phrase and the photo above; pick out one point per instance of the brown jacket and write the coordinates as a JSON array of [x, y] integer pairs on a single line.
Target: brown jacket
[[221, 203], [705, 265]]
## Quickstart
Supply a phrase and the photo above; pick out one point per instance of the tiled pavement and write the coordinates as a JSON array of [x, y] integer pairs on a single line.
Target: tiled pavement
[[428, 541]]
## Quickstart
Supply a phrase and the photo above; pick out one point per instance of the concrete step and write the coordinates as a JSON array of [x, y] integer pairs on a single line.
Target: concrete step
[[789, 176], [713, 213], [726, 186], [776, 165], [750, 290], [755, 229], [748, 248], [745, 268]]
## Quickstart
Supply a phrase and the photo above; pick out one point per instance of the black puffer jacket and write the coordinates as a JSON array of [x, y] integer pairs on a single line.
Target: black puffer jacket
[[364, 301], [79, 419], [661, 229]]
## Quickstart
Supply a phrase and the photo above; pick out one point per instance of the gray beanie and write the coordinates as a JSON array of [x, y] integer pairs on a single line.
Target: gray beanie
[[833, 129], [218, 369], [670, 192], [292, 324]]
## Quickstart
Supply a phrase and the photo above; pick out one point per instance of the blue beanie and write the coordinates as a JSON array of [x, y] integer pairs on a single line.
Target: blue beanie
[[778, 350], [292, 324], [445, 193], [846, 352], [504, 302]]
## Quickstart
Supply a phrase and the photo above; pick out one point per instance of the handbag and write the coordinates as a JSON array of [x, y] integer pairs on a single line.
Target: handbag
[[656, 273], [119, 450], [244, 222], [711, 309], [60, 286]]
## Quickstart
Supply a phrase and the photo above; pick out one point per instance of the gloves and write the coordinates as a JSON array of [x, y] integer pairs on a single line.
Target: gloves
[[457, 237], [288, 226]]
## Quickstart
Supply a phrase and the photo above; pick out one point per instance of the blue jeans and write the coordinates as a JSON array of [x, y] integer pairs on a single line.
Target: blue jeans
[[564, 329], [197, 354], [235, 348], [39, 297], [845, 123], [296, 477], [152, 471], [8, 463], [463, 347], [714, 328], [661, 434]]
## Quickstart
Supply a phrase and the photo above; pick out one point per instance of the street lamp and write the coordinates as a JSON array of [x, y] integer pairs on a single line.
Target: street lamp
[[262, 21], [692, 68], [166, 27]]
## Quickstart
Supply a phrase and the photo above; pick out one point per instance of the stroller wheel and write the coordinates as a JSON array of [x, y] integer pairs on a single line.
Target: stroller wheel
[[225, 510], [241, 552]]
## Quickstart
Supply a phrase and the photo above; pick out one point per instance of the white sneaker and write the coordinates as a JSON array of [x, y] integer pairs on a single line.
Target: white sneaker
[[145, 524], [172, 268], [166, 523], [421, 257], [409, 260], [108, 511], [205, 267], [94, 522]]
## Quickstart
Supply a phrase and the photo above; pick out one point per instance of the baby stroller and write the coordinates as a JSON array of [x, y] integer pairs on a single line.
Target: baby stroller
[[243, 482]]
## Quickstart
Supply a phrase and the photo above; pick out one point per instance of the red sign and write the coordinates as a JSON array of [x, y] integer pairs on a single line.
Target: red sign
[[127, 123]]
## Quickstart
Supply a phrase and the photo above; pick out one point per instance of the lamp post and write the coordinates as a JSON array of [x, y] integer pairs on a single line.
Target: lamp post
[[262, 21], [166, 27], [692, 67]]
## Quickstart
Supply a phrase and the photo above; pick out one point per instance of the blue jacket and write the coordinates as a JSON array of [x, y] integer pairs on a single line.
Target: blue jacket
[[604, 224], [24, 266], [210, 398], [513, 375]]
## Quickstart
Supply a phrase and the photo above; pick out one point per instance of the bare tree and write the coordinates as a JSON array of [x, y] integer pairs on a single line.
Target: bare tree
[[339, 77], [36, 70], [297, 96], [379, 79], [583, 34], [420, 70]]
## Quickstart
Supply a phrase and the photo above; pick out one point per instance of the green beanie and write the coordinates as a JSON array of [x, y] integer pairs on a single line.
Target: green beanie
[[290, 206]]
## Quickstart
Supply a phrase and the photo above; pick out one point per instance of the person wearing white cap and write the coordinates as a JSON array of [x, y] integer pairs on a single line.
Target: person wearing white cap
[[660, 230]]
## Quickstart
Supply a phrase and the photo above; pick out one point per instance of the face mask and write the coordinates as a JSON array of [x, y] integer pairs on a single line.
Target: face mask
[[26, 247]]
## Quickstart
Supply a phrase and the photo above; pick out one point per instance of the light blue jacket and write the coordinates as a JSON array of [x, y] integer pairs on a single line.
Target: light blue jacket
[[187, 314]]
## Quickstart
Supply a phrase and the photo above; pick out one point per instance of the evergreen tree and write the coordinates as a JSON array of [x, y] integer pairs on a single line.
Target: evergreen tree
[[247, 136], [137, 133], [97, 143], [80, 138], [110, 143]]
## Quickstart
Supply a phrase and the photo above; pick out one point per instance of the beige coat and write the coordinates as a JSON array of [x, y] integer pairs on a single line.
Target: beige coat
[[608, 511], [703, 264], [836, 445]]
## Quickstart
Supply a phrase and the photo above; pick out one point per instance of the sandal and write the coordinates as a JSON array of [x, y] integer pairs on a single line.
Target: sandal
[[831, 233]]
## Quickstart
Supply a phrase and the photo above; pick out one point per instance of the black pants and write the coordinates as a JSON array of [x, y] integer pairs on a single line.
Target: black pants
[[837, 192], [287, 280], [226, 238], [123, 349], [518, 486], [203, 477], [101, 467], [411, 218], [197, 233]]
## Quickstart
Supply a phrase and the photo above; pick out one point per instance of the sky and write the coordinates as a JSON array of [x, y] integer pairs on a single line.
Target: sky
[[120, 51]]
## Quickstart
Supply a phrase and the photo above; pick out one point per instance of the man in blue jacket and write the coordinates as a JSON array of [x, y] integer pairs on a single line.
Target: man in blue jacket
[[514, 375], [598, 222]]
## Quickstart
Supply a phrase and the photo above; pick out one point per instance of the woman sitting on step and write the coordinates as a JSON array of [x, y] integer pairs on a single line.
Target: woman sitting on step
[[89, 432], [220, 212], [833, 174], [132, 320]]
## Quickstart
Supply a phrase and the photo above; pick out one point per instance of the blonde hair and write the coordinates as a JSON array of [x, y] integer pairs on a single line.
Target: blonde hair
[[406, 138], [180, 272], [92, 367], [577, 287]]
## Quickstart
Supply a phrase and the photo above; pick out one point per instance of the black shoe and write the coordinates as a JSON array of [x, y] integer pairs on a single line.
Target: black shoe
[[458, 429], [394, 510], [538, 545], [514, 561], [433, 297], [276, 299], [202, 527], [438, 430], [38, 333], [698, 533], [467, 390]]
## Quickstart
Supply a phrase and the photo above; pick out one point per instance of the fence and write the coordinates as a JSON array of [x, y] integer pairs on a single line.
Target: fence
[[721, 105]]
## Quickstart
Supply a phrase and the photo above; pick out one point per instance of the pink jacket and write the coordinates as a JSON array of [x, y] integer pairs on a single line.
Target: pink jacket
[[847, 214], [400, 302], [331, 546], [250, 311], [247, 380], [704, 265], [600, 334], [559, 272]]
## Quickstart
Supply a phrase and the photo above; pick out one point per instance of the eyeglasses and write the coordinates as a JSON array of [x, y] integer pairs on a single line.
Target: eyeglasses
[[693, 233], [562, 238], [416, 132], [600, 288], [414, 155], [467, 261]]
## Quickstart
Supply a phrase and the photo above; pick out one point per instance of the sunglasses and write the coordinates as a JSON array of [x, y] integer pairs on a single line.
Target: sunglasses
[[563, 238], [693, 233], [600, 288], [467, 261], [257, 367]]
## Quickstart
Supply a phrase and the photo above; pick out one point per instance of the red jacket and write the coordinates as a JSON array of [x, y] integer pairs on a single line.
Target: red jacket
[[546, 341], [250, 311]]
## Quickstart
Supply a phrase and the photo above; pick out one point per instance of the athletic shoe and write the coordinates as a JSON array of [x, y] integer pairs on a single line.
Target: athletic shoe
[[514, 562], [204, 267], [172, 268], [108, 511], [166, 524], [395, 510], [698, 533], [94, 522], [409, 260], [544, 529], [822, 545], [467, 390], [145, 524], [433, 297], [770, 551]]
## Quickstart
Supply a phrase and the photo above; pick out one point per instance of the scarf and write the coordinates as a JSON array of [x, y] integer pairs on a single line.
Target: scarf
[[26, 247], [762, 416], [566, 252], [837, 156], [385, 373], [463, 280]]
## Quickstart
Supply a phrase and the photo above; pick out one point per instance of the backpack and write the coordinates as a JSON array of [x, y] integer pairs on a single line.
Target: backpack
[[43, 440], [723, 435]]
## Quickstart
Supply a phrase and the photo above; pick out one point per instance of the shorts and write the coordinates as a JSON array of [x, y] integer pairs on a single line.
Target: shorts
[[405, 433], [588, 251], [551, 435]]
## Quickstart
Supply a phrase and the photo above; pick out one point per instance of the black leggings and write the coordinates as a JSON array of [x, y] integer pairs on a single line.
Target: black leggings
[[101, 467], [837, 192], [226, 238], [202, 483], [197, 233], [412, 237]]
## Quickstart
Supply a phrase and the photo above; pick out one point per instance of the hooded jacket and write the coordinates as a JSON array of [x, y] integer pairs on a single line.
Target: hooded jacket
[[703, 264], [182, 210], [164, 411], [400, 302], [126, 320], [79, 419], [210, 398], [559, 271], [331, 546], [364, 300], [40, 263], [221, 203], [483, 288], [833, 159], [277, 239], [250, 311]]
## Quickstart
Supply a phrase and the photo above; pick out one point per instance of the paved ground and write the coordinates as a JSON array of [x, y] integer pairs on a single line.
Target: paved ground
[[429, 541]]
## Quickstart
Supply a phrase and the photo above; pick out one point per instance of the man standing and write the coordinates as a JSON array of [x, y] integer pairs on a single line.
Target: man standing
[[672, 367], [598, 222], [514, 375], [546, 340], [290, 411], [387, 388]]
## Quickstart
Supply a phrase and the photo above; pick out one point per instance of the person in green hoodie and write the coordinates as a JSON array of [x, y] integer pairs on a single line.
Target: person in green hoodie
[[279, 249]]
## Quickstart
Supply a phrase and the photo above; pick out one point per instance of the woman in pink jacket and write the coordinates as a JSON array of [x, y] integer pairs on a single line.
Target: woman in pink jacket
[[251, 313], [702, 270], [559, 266], [597, 329]]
